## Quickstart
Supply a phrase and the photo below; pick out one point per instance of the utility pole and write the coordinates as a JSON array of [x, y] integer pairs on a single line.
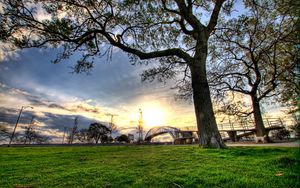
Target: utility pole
[[112, 127], [29, 128], [140, 127], [73, 131], [13, 133]]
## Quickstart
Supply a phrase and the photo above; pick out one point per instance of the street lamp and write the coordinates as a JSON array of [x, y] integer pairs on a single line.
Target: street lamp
[[13, 134]]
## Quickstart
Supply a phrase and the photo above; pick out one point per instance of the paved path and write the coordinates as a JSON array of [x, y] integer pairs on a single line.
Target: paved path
[[284, 144]]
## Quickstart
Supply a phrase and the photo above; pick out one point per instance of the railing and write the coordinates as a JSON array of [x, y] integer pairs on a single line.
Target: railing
[[242, 125], [273, 122], [249, 124]]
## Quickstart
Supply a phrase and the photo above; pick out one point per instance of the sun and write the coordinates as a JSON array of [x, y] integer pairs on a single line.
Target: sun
[[153, 116]]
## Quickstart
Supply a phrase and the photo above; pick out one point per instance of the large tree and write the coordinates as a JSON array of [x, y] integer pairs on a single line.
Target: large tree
[[172, 32], [255, 54], [98, 132]]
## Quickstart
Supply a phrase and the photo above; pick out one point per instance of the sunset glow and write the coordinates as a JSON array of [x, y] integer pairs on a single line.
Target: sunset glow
[[153, 116]]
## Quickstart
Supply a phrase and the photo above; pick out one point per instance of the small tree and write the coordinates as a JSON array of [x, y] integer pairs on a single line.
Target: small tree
[[30, 134], [4, 133], [123, 138], [41, 139], [98, 131], [83, 135]]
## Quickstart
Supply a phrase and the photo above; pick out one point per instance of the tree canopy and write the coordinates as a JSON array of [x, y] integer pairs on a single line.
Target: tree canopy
[[255, 54]]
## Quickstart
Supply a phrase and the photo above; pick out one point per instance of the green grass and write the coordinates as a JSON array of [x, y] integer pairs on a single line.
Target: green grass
[[149, 166]]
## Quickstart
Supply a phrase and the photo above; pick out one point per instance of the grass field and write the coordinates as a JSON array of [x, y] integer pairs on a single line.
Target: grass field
[[149, 166]]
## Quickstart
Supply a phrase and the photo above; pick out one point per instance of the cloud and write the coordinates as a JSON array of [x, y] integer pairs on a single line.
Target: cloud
[[8, 115], [43, 101], [20, 96], [51, 113], [83, 107], [53, 105]]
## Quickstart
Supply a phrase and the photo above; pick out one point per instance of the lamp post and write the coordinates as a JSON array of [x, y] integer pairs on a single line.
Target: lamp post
[[13, 134]]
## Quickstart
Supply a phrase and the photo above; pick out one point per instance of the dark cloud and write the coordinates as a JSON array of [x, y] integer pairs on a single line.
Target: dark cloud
[[58, 121], [50, 121], [57, 106], [8, 110], [80, 108], [10, 115], [36, 101]]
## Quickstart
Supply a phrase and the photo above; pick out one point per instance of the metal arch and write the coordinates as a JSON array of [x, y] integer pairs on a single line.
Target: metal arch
[[155, 131]]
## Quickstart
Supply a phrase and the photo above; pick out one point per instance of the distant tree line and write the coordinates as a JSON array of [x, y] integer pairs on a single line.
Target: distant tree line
[[28, 137], [96, 133]]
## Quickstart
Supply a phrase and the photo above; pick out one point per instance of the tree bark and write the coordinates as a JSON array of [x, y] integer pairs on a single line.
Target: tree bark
[[209, 136], [258, 120]]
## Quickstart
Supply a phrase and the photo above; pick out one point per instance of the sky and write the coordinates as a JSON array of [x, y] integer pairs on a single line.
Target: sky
[[57, 95]]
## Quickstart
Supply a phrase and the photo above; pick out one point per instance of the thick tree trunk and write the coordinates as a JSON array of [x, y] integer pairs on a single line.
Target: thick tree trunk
[[258, 120], [209, 136]]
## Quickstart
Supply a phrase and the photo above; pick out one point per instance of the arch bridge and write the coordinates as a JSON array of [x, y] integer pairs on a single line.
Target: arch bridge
[[178, 135]]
